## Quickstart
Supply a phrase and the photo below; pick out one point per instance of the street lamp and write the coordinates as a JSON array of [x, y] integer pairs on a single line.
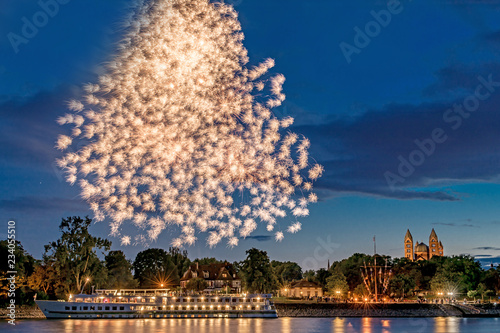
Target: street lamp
[[86, 281]]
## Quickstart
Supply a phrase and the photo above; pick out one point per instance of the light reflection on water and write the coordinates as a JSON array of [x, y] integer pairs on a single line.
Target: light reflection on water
[[285, 325]]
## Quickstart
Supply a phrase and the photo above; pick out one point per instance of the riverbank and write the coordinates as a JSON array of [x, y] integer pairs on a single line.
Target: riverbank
[[291, 309], [24, 312], [383, 310]]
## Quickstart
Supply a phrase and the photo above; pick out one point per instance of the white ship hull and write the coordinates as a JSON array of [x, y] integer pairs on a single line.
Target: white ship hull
[[161, 307]]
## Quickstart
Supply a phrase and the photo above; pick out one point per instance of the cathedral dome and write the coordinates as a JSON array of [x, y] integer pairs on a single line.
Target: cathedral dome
[[421, 248]]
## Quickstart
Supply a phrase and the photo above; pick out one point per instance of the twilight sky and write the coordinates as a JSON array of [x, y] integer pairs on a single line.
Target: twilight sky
[[404, 117]]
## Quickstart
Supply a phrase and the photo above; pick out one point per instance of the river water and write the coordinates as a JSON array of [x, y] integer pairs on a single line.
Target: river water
[[297, 325]]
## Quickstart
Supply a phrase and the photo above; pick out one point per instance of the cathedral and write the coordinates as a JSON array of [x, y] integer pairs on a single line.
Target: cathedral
[[421, 251]]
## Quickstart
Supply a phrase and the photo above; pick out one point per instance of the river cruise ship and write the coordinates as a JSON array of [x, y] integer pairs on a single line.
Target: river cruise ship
[[158, 303]]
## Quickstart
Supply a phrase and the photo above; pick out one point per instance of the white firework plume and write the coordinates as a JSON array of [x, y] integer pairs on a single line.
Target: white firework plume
[[180, 132]]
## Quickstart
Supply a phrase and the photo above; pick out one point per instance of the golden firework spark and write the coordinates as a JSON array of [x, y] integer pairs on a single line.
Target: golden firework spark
[[178, 124]]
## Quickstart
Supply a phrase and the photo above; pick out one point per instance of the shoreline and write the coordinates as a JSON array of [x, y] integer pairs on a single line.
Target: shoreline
[[331, 310], [390, 310]]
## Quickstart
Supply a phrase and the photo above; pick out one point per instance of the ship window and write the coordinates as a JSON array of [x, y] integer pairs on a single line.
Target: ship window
[[73, 308], [131, 308], [253, 307], [212, 300], [183, 308], [99, 308], [122, 308], [66, 308], [85, 308], [183, 300], [178, 300], [92, 308], [192, 300], [220, 300], [159, 308], [235, 300], [114, 307], [106, 308]]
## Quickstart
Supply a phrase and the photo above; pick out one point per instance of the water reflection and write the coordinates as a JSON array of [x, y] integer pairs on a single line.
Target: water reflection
[[243, 325]]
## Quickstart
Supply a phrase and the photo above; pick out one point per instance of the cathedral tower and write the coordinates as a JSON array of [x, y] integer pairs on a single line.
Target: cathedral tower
[[435, 246], [408, 245], [421, 251]]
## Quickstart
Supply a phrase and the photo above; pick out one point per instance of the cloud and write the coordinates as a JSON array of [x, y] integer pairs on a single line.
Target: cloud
[[29, 130], [259, 238], [487, 248], [457, 225], [487, 262], [357, 152], [37, 205], [482, 255]]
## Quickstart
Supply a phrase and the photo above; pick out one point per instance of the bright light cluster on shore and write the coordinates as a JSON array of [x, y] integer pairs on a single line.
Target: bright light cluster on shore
[[180, 132]]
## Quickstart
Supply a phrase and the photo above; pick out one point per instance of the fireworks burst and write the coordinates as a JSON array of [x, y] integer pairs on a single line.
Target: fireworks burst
[[180, 132]]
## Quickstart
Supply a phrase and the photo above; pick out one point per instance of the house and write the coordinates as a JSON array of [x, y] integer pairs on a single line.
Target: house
[[218, 276], [302, 289]]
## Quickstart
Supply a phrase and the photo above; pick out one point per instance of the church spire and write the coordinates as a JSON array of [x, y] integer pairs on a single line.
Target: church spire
[[433, 234], [408, 246], [408, 234]]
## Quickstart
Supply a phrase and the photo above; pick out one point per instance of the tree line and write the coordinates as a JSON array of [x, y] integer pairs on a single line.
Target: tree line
[[77, 262]]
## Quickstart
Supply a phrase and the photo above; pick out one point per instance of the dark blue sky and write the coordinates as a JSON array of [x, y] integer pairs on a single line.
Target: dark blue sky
[[413, 79]]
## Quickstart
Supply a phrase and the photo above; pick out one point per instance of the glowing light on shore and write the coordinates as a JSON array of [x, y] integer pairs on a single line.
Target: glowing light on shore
[[179, 132]]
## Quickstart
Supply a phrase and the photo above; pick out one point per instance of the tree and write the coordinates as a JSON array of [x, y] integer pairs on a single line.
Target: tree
[[337, 283], [309, 275], [350, 267], [180, 259], [119, 271], [208, 261], [286, 272], [75, 256], [445, 282], [154, 268], [257, 272], [321, 276], [483, 291], [42, 278], [24, 266], [401, 284], [197, 284], [491, 279], [361, 291]]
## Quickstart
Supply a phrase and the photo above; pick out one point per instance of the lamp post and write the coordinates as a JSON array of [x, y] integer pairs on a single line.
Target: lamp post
[[86, 281]]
